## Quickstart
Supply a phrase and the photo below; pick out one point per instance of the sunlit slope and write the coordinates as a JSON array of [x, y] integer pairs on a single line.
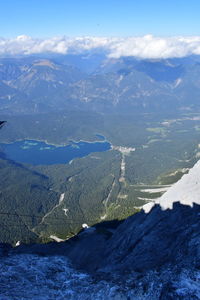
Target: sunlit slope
[[39, 84]]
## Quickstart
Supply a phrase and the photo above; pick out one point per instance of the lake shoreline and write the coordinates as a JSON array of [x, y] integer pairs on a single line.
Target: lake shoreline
[[56, 145], [36, 152]]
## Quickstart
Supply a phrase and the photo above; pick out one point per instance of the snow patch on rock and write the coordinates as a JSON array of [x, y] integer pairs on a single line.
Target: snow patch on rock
[[186, 191], [55, 238]]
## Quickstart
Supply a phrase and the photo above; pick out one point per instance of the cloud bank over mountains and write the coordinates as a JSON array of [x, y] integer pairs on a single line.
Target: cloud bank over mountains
[[146, 46]]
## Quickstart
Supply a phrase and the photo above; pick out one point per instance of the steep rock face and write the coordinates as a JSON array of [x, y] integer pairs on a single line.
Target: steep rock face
[[141, 243], [148, 241]]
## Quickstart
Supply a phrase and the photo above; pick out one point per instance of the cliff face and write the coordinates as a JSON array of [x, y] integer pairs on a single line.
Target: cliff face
[[149, 241], [143, 242]]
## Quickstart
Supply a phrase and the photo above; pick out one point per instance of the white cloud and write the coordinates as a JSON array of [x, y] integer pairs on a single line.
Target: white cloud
[[155, 47], [147, 46]]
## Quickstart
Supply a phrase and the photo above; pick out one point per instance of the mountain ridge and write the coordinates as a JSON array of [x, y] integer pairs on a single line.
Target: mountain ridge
[[127, 84]]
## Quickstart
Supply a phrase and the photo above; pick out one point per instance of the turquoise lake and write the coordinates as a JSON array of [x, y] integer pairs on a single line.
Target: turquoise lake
[[40, 153]]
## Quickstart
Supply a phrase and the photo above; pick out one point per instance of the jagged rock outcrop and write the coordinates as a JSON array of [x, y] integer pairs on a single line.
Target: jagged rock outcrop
[[145, 242]]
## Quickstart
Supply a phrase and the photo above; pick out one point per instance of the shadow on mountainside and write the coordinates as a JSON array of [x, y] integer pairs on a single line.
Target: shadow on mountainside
[[140, 243]]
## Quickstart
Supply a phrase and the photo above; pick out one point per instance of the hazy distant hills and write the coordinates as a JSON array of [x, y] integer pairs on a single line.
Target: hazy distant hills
[[35, 85], [97, 83]]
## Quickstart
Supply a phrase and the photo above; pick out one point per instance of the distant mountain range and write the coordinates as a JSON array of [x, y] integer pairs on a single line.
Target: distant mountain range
[[93, 82]]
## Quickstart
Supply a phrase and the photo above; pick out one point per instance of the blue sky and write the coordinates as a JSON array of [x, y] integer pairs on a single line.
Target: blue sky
[[47, 18]]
